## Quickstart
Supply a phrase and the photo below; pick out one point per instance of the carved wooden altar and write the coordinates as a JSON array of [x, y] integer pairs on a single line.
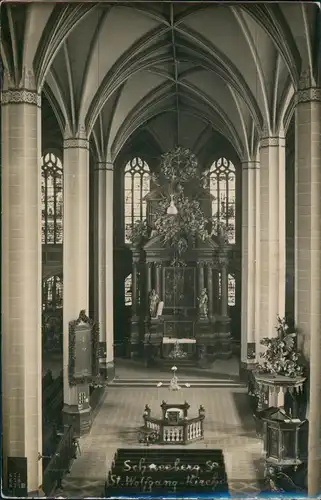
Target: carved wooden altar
[[180, 334]]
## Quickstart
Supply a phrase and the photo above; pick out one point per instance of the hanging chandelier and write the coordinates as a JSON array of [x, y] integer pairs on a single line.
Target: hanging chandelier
[[172, 210]]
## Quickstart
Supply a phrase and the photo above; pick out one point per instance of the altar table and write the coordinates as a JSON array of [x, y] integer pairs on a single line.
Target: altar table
[[170, 340]]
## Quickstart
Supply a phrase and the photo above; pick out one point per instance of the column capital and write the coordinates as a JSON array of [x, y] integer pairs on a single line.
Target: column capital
[[21, 96], [223, 260], [272, 141], [312, 94], [201, 263], [76, 143], [307, 88], [104, 165], [250, 165]]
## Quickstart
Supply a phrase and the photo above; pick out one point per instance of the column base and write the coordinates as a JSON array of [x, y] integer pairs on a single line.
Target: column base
[[37, 494], [103, 369], [245, 369], [80, 419], [110, 370]]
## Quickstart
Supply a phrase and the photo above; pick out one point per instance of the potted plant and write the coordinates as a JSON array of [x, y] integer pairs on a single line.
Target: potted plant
[[281, 356], [280, 368]]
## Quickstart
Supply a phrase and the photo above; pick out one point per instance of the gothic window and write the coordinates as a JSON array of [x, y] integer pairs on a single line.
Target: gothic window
[[137, 185], [128, 290], [222, 186], [52, 293], [52, 199], [230, 289]]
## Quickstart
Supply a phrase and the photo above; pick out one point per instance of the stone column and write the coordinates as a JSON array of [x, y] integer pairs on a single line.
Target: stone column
[[308, 261], [76, 268], [109, 284], [200, 276], [104, 279], [134, 289], [158, 278], [210, 288], [21, 277], [250, 261], [149, 277], [272, 234], [224, 288], [216, 291]]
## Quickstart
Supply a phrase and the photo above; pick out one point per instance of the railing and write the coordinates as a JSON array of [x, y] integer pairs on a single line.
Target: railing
[[60, 462], [153, 424], [184, 432], [195, 429]]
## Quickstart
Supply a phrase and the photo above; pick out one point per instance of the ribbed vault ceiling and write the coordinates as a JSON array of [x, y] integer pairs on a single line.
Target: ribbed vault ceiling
[[117, 68]]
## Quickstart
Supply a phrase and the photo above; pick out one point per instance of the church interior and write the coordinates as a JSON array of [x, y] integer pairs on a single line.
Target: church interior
[[161, 248]]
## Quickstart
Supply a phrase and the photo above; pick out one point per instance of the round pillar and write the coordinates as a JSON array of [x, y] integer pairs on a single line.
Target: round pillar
[[104, 281], [272, 234], [200, 265], [250, 304], [75, 267], [224, 288], [21, 277], [158, 278], [308, 261], [210, 288]]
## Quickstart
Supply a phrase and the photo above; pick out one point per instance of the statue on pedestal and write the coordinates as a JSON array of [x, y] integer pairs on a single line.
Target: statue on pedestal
[[203, 304], [153, 303]]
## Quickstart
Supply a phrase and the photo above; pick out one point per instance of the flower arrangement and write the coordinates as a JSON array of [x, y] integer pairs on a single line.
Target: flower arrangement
[[281, 356], [179, 163], [177, 353], [190, 221], [179, 167], [138, 232]]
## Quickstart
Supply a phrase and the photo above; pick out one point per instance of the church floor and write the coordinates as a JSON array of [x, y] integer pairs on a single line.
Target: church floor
[[228, 426], [220, 369]]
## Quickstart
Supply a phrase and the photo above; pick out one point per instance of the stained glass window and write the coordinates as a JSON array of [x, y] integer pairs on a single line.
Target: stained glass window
[[52, 293], [128, 290], [52, 199], [136, 187], [230, 289], [222, 186]]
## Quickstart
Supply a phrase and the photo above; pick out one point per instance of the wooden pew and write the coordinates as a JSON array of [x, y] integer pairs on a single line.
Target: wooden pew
[[52, 401]]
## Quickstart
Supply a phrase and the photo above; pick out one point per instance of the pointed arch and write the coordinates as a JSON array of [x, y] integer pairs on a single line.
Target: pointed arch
[[222, 185], [52, 199], [136, 187]]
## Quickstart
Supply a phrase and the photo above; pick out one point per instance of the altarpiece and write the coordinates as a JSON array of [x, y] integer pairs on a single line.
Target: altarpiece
[[179, 299]]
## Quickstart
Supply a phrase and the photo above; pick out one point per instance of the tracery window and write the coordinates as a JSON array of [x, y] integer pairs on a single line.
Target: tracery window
[[52, 293], [222, 186], [128, 290], [52, 199], [230, 289], [136, 187]]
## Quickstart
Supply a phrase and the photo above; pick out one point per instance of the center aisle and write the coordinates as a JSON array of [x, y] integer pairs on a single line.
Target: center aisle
[[228, 426]]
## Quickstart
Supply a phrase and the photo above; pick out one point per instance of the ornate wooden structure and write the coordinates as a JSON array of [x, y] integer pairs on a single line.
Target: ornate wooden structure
[[286, 449], [174, 426], [199, 336]]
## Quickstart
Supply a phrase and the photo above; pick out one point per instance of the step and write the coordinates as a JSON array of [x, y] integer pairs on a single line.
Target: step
[[218, 383]]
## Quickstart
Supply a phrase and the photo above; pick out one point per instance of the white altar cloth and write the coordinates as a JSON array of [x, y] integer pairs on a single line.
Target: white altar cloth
[[169, 340]]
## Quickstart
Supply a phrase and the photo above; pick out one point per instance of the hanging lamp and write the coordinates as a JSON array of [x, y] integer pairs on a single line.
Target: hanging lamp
[[172, 210]]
